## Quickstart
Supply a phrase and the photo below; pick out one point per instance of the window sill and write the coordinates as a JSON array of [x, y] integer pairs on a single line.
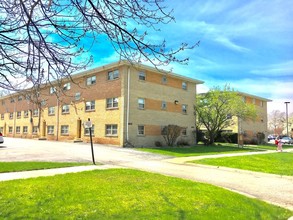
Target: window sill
[[112, 136], [64, 134], [112, 108]]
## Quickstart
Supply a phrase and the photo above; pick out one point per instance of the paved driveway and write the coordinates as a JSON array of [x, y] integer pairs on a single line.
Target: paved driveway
[[274, 189]]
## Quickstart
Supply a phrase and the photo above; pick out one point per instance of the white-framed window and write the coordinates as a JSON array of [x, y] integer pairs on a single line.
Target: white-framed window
[[113, 75], [10, 129], [87, 130], [64, 129], [50, 129], [2, 116], [112, 103], [141, 103], [24, 129], [261, 103], [51, 110], [66, 86], [12, 100], [35, 112], [91, 80], [112, 130], [18, 114], [52, 90], [43, 102], [244, 99], [140, 129], [35, 129], [184, 109], [90, 106], [17, 130], [164, 105], [141, 76], [65, 109], [11, 115], [77, 96], [25, 113], [184, 85], [20, 98], [28, 97], [164, 79]]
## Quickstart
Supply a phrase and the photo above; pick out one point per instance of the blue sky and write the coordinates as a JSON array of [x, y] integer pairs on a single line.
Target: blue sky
[[247, 44]]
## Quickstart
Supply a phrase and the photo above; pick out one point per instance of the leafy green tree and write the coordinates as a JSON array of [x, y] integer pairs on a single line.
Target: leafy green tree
[[215, 110]]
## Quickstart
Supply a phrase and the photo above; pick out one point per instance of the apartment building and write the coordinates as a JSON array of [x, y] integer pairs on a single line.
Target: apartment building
[[125, 103]]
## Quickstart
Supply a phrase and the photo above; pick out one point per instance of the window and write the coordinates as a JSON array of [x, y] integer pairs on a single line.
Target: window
[[164, 105], [87, 131], [184, 85], [253, 101], [65, 109], [51, 111], [35, 112], [10, 129], [111, 130], [229, 116], [50, 129], [3, 102], [112, 103], [28, 97], [52, 90], [140, 129], [24, 129], [66, 86], [64, 129], [164, 79], [25, 113], [141, 104], [17, 129], [43, 102], [90, 106], [10, 115], [91, 80], [35, 129], [113, 75], [244, 99], [184, 132], [141, 76], [11, 100], [18, 114], [77, 96], [2, 116], [261, 103], [20, 98], [184, 109]]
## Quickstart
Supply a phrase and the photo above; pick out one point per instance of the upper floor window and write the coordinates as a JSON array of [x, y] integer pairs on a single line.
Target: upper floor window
[[184, 85], [91, 80], [35, 112], [65, 109], [90, 106], [77, 96], [11, 100], [18, 114], [184, 109], [141, 103], [253, 101], [140, 129], [66, 86], [11, 115], [3, 102], [113, 74], [111, 130], [261, 103], [244, 99], [112, 103], [52, 90], [164, 105], [164, 79], [25, 113], [141, 76], [20, 98], [51, 110], [2, 116]]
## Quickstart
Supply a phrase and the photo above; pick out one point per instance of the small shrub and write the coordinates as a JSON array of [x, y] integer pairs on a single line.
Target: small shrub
[[158, 144], [182, 143]]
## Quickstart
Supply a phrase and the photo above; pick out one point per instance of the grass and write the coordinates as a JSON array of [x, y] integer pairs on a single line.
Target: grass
[[126, 194], [199, 150], [276, 163], [25, 166]]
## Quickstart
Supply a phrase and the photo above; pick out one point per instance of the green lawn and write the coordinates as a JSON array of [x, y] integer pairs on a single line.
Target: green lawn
[[126, 194], [199, 150], [21, 166], [276, 163]]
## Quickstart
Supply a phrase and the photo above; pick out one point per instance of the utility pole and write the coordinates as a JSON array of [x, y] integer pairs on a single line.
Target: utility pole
[[286, 103]]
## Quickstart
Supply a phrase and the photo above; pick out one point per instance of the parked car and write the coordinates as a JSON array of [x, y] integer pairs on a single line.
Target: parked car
[[287, 140], [1, 138]]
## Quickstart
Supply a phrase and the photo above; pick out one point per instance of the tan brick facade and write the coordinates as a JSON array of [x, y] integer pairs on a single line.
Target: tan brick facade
[[111, 104]]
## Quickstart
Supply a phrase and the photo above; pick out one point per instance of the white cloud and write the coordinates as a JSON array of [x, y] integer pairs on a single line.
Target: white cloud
[[280, 69]]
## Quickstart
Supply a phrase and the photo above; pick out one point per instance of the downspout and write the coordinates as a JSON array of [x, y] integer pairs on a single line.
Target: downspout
[[127, 108], [57, 121]]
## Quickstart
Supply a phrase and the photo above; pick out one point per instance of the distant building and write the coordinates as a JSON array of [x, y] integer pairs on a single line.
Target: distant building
[[125, 103]]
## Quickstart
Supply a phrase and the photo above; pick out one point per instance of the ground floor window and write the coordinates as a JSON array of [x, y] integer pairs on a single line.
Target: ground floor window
[[50, 129], [87, 130], [17, 129], [24, 129], [111, 130], [140, 129], [10, 129], [64, 129], [35, 129]]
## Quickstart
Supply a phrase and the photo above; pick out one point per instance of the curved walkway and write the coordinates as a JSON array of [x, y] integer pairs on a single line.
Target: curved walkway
[[271, 188]]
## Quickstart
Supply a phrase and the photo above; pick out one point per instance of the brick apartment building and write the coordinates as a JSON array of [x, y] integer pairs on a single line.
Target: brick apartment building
[[125, 103]]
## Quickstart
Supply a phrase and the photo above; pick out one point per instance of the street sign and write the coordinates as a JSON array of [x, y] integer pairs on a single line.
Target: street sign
[[88, 124]]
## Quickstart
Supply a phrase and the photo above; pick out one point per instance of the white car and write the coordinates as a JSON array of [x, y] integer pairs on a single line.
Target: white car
[[1, 138]]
